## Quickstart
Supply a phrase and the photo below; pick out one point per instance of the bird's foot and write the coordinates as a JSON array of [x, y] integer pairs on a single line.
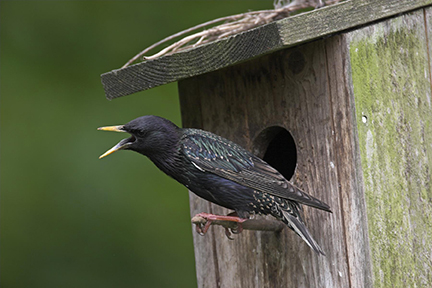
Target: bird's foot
[[237, 230], [203, 228]]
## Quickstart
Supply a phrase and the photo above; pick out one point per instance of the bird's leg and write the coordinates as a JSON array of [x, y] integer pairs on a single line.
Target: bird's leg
[[211, 217]]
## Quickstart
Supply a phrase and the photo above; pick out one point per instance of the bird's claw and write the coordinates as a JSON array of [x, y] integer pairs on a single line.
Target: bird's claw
[[203, 228], [237, 230], [199, 230], [228, 233]]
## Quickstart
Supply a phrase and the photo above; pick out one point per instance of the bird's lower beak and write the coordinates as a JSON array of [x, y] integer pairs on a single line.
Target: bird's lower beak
[[121, 145]]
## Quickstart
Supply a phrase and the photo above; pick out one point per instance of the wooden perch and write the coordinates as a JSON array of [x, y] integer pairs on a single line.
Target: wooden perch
[[251, 224]]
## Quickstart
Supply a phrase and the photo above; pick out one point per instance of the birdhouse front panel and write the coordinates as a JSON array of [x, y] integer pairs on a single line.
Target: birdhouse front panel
[[291, 90]]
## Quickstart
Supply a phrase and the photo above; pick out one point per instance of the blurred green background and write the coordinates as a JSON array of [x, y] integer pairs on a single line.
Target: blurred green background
[[67, 218]]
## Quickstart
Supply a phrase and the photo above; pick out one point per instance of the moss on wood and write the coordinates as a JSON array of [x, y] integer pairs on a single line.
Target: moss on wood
[[390, 72]]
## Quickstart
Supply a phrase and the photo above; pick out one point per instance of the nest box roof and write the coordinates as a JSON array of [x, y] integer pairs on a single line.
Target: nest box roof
[[244, 46]]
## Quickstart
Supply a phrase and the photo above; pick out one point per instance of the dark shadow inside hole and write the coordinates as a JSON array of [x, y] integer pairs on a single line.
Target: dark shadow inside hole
[[277, 147]]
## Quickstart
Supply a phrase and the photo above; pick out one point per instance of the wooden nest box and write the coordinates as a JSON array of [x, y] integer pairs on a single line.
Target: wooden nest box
[[339, 99]]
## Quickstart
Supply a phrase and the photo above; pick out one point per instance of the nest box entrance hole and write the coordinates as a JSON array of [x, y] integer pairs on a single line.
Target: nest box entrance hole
[[277, 147]]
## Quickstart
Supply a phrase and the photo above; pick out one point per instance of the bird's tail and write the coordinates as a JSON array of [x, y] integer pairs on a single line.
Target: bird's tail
[[295, 222]]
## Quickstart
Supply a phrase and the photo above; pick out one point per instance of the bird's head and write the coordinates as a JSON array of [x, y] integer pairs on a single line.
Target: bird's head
[[149, 135]]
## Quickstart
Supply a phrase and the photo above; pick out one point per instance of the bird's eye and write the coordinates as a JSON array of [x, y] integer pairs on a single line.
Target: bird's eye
[[140, 133]]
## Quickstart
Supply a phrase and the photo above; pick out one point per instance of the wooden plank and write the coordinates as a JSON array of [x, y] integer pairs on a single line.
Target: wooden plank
[[223, 115], [392, 90], [192, 62], [347, 156], [294, 95], [343, 16], [250, 44], [207, 268], [290, 89]]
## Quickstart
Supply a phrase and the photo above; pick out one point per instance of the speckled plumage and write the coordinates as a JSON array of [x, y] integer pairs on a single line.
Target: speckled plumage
[[220, 171]]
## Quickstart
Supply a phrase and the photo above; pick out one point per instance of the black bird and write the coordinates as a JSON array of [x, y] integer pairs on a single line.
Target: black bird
[[219, 171]]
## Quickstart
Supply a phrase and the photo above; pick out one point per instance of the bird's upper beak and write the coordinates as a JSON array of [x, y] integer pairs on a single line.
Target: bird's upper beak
[[118, 128], [119, 146]]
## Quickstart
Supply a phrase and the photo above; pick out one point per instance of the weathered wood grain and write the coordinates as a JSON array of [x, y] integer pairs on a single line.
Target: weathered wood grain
[[250, 44], [296, 97], [192, 62], [392, 91], [347, 162]]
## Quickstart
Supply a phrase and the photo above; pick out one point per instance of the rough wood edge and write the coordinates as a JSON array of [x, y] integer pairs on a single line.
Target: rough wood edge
[[347, 158], [256, 42]]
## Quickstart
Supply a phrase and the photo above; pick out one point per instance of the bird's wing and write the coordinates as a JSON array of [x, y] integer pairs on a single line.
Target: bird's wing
[[211, 153]]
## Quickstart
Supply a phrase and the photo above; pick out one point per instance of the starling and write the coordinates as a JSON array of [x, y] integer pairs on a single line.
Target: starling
[[219, 171]]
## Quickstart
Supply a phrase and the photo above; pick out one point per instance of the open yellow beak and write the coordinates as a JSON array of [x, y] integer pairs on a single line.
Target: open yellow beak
[[121, 145]]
